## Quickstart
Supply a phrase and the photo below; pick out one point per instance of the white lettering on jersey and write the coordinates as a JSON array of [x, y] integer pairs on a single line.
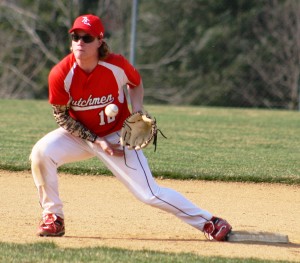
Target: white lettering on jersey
[[91, 103]]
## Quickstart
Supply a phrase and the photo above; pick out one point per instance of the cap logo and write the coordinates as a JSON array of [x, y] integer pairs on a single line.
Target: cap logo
[[86, 21]]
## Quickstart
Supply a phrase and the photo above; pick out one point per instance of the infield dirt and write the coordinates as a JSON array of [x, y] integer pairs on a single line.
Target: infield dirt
[[99, 211]]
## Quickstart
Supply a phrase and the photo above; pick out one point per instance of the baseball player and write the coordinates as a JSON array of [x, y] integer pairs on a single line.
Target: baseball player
[[81, 85]]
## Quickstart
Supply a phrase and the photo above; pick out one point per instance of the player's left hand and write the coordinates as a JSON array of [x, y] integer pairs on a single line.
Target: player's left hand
[[109, 148]]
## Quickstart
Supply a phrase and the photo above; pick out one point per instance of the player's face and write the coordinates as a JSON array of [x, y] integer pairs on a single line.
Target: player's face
[[84, 46]]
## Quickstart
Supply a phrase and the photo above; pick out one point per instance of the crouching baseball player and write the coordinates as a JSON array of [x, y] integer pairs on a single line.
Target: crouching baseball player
[[81, 85]]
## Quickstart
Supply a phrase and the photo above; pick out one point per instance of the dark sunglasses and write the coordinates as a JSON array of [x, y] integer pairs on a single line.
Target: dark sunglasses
[[85, 39]]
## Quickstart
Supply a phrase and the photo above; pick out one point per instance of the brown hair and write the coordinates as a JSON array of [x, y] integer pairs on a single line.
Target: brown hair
[[103, 51]]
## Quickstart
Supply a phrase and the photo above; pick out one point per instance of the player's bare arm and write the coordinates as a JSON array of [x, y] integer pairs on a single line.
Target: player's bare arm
[[136, 95]]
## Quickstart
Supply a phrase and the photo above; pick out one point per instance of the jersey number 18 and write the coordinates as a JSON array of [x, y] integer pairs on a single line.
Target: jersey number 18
[[105, 119]]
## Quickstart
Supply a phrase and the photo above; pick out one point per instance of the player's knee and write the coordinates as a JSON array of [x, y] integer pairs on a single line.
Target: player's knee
[[149, 199], [39, 156], [146, 200], [36, 156], [41, 165]]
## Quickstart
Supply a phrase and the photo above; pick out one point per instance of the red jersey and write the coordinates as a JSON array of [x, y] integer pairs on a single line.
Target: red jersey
[[89, 93]]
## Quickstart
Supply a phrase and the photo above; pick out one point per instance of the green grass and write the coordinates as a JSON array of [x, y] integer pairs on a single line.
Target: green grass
[[224, 144], [49, 252]]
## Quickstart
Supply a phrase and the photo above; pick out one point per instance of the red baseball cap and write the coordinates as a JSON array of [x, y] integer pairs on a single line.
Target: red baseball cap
[[90, 24]]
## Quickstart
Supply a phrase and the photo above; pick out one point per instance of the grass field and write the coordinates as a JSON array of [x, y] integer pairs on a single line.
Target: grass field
[[203, 143], [222, 144], [49, 252]]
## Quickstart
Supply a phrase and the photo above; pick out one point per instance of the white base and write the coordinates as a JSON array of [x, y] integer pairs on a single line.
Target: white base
[[265, 237]]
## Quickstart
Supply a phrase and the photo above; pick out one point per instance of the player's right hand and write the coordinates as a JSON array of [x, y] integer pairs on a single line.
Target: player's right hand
[[109, 148]]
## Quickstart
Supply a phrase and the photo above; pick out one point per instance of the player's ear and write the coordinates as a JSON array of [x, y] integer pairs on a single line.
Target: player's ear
[[100, 40]]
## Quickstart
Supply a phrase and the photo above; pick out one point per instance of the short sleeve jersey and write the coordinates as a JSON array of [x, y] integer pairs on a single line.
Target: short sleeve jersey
[[89, 94]]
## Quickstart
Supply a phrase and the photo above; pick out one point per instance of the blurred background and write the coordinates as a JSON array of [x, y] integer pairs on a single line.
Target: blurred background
[[236, 53]]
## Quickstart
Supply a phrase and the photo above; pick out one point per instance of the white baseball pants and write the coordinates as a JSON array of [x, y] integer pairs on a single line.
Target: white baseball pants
[[59, 147]]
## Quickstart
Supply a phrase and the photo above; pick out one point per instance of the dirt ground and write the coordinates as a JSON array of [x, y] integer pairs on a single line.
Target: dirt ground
[[99, 211]]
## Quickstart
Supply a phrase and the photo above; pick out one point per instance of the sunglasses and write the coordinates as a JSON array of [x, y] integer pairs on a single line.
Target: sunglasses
[[85, 38]]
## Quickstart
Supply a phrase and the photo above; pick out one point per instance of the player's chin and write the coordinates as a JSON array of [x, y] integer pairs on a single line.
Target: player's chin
[[79, 53]]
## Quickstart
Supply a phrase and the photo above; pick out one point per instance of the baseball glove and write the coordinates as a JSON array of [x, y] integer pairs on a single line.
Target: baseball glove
[[138, 131]]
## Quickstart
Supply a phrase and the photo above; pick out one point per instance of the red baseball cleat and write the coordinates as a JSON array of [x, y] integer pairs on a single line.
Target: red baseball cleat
[[51, 225], [217, 228]]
